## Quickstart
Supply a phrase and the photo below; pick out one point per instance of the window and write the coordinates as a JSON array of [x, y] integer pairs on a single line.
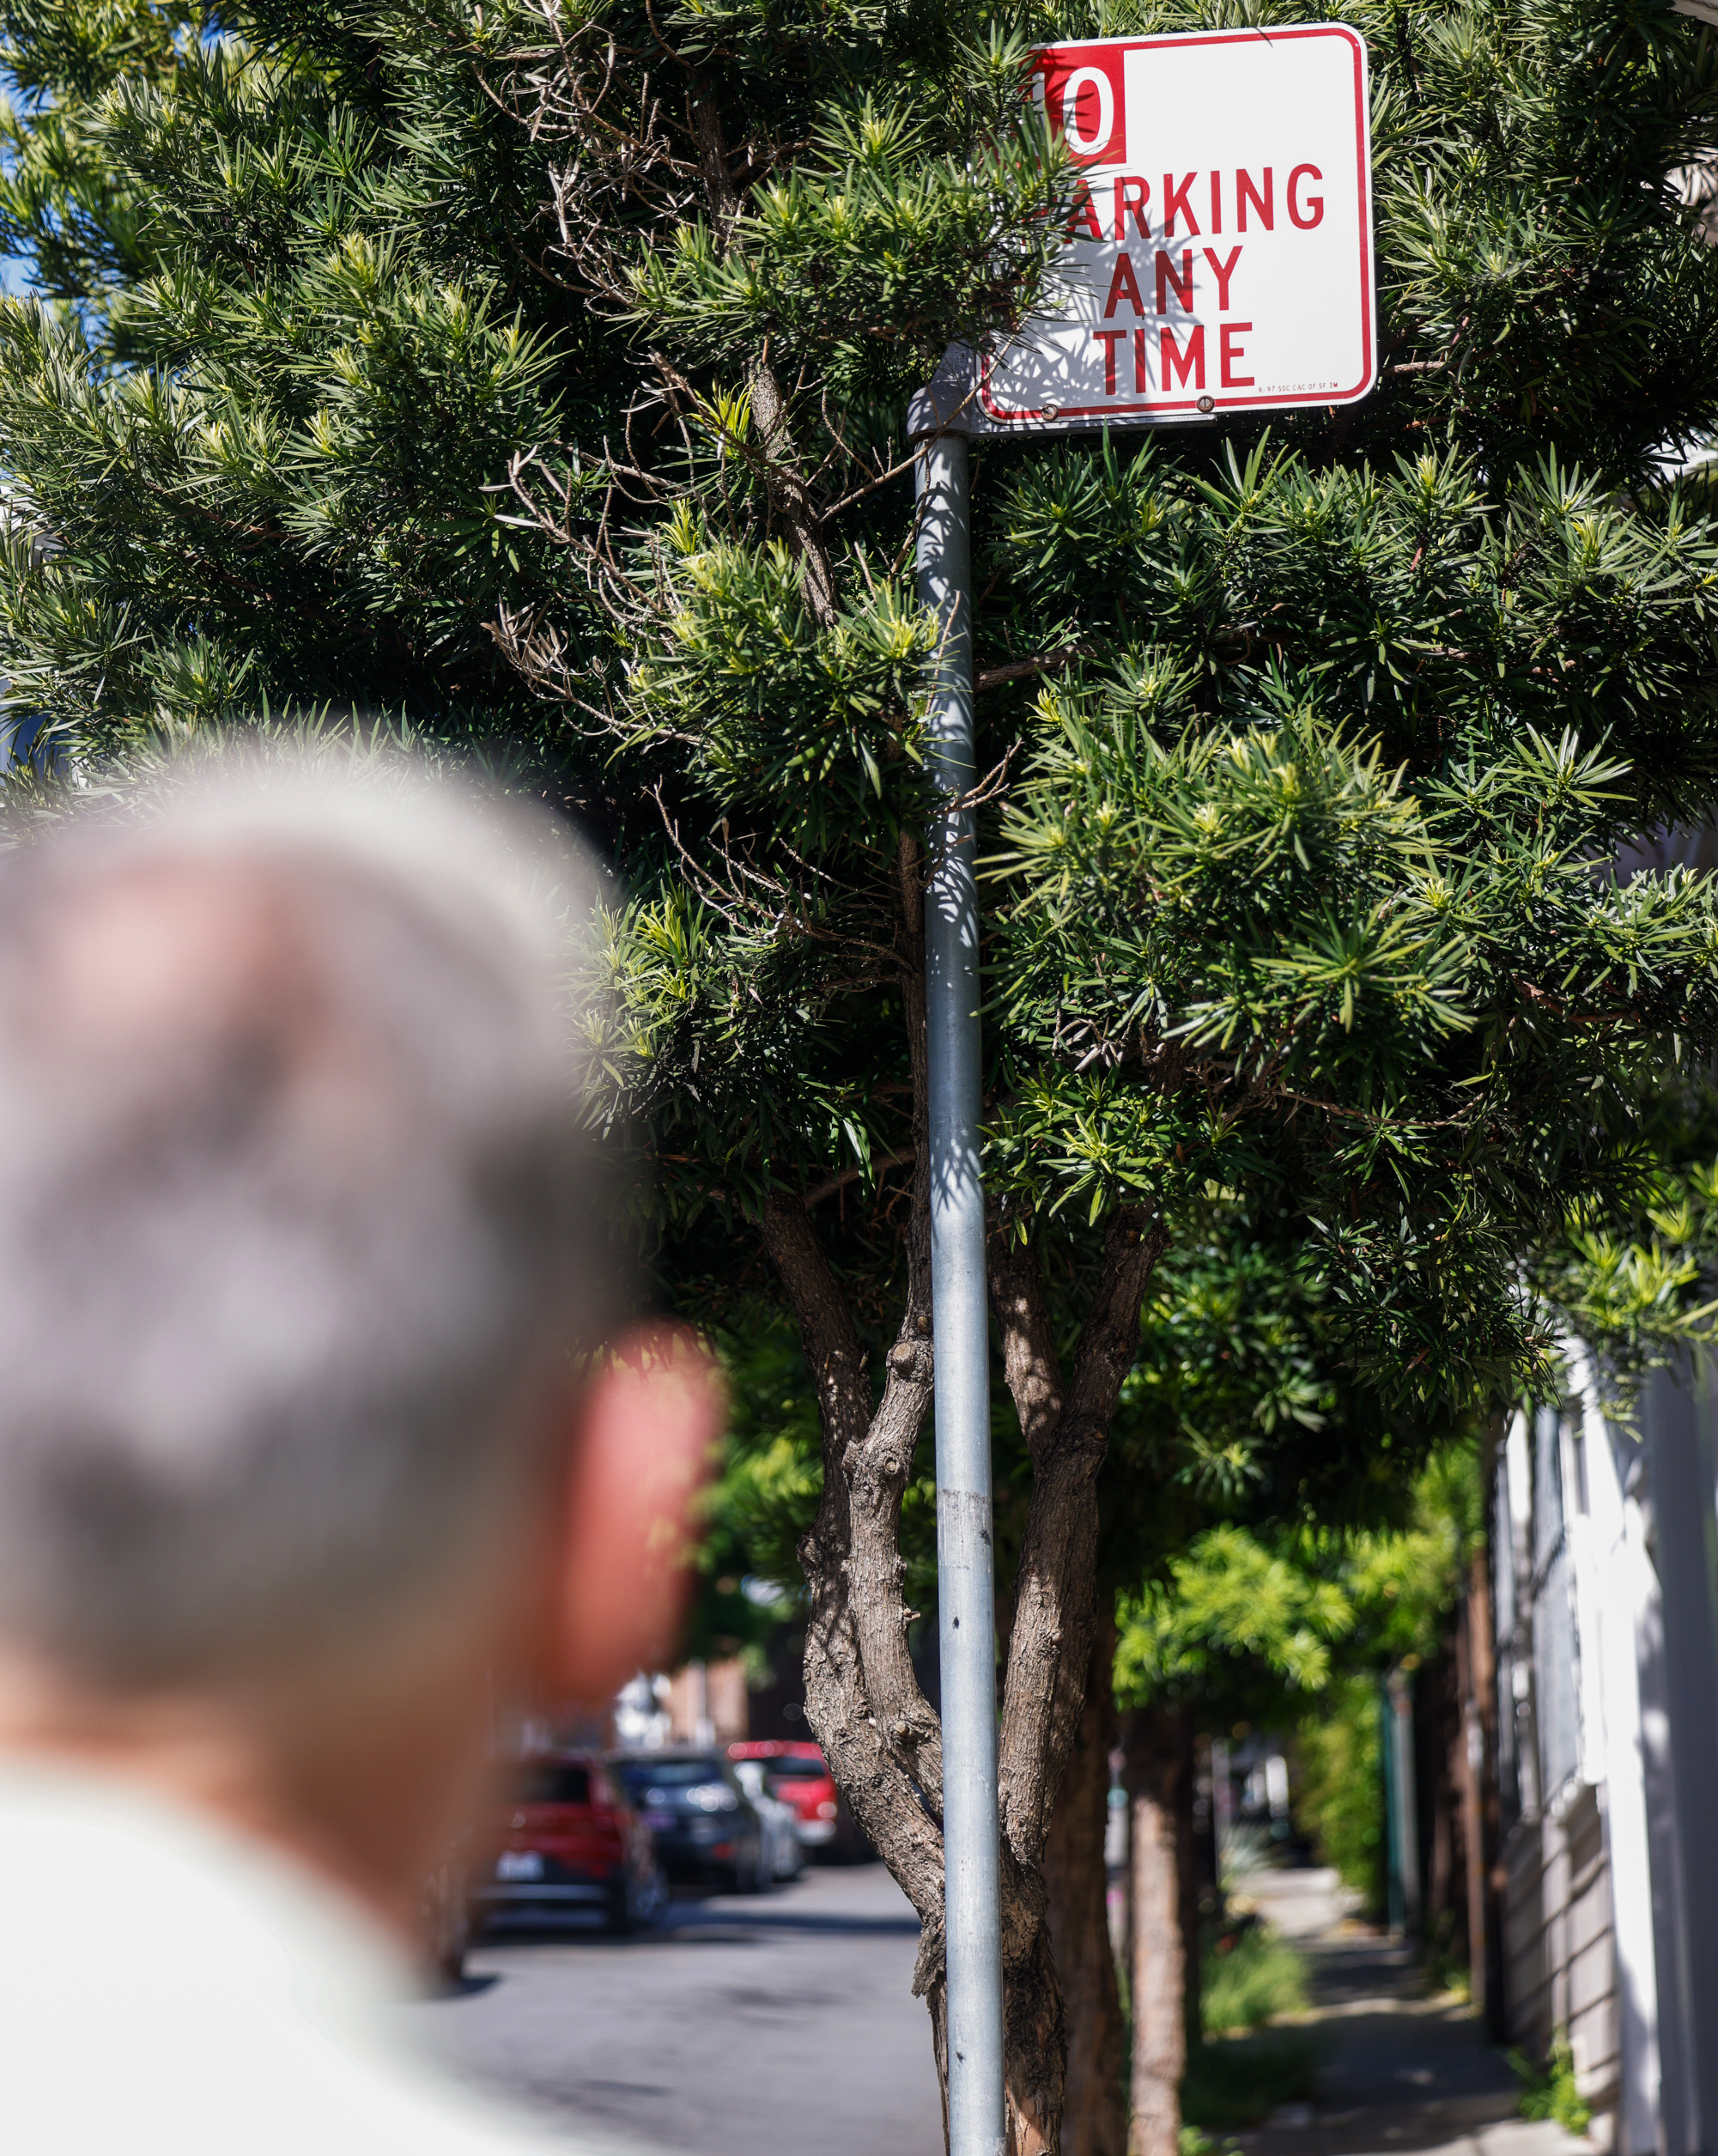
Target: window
[[551, 1781], [669, 1774]]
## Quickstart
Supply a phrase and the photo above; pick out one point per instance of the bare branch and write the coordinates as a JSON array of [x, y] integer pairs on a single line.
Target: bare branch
[[831, 1184], [1024, 669]]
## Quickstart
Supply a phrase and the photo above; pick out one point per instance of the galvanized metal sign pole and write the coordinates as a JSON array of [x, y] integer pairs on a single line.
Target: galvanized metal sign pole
[[964, 1570], [1219, 261]]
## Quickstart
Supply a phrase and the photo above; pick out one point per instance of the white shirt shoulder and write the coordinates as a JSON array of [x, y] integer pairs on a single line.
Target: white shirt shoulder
[[167, 1985]]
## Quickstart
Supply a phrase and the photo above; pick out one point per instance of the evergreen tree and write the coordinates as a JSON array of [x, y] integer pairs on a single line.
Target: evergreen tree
[[1321, 736], [65, 206], [1246, 1456], [283, 343], [1278, 1628]]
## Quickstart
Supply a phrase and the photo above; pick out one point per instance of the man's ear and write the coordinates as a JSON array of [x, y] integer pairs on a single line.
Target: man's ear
[[647, 1428]]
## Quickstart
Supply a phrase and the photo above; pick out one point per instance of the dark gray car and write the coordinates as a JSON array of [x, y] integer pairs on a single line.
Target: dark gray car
[[700, 1816]]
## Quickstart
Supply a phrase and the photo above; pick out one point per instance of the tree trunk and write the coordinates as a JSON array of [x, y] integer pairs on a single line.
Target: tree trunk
[[883, 1740], [1440, 1763], [1187, 1872], [1157, 1751], [1077, 1887], [879, 1733], [1469, 1756], [1066, 1430]]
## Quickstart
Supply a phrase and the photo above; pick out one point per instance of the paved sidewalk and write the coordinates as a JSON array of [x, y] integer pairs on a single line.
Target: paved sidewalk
[[1401, 2071]]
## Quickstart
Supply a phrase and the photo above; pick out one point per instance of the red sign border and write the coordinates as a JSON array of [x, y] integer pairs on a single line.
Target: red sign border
[[1369, 296]]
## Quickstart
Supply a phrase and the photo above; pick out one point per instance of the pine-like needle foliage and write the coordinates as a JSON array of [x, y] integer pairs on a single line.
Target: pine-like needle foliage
[[283, 344], [380, 342], [1332, 907]]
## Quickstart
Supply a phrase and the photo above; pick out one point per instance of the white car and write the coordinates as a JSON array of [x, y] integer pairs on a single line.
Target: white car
[[783, 1856]]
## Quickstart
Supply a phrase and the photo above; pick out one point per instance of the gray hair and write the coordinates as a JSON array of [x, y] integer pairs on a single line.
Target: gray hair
[[297, 1213]]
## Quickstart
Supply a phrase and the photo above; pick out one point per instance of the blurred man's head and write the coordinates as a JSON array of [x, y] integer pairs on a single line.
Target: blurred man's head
[[301, 1241]]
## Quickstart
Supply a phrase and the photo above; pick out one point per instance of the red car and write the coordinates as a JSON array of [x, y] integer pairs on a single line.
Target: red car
[[569, 1840], [798, 1775]]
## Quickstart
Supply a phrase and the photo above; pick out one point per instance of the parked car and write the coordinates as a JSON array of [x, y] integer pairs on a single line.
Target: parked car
[[784, 1853], [796, 1775], [703, 1823], [570, 1840]]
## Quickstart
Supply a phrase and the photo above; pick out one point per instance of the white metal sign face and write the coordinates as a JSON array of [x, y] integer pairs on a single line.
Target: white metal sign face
[[1220, 244]]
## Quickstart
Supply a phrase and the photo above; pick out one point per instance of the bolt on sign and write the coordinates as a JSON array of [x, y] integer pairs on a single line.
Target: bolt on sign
[[1219, 243]]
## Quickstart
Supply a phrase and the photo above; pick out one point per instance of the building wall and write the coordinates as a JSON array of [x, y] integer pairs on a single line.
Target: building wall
[[1524, 1933], [1560, 1956], [707, 1704], [1604, 1558], [1559, 1945]]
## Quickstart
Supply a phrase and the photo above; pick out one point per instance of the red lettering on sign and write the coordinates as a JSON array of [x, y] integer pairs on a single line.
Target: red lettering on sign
[[1084, 88], [1245, 191], [1122, 286], [1085, 212], [1216, 201], [1176, 198], [1223, 271], [1315, 203], [1229, 355], [1126, 201], [1109, 339], [1177, 364], [1139, 381], [1183, 283]]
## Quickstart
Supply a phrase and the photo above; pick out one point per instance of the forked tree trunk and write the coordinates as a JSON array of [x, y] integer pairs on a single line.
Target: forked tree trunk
[[1066, 1428], [1157, 1752], [1095, 2106], [863, 1698]]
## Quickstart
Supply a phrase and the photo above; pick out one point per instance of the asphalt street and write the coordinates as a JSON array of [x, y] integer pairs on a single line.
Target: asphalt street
[[780, 2022]]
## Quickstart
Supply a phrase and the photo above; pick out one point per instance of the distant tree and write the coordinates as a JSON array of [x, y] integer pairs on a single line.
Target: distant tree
[[1281, 1628]]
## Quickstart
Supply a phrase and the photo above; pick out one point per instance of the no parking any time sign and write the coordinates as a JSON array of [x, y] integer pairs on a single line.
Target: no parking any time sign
[[1219, 255]]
